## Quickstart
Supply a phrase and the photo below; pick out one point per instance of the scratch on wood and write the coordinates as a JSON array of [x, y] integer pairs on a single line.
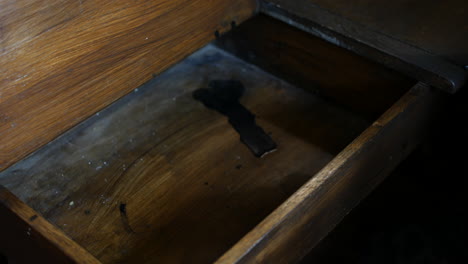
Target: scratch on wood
[[124, 217]]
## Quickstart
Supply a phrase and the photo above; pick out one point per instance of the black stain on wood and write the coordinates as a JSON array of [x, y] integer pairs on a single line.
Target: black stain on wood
[[123, 209], [32, 218], [217, 35], [223, 96], [87, 212], [124, 217]]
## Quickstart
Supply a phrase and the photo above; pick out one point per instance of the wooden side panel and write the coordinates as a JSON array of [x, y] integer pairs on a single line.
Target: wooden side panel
[[61, 61], [316, 65], [26, 237], [438, 27], [378, 44], [303, 220], [160, 178]]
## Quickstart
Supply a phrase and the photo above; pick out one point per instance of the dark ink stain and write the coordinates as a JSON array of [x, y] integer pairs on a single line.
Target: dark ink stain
[[124, 217], [206, 183], [239, 166], [32, 218], [123, 209], [217, 35], [223, 96], [87, 212]]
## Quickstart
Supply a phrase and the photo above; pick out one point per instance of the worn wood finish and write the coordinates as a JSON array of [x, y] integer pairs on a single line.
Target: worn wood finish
[[61, 61], [26, 237], [313, 64], [307, 216], [372, 41], [437, 27], [191, 189]]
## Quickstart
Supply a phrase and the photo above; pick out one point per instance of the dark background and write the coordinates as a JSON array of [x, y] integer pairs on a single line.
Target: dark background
[[419, 214]]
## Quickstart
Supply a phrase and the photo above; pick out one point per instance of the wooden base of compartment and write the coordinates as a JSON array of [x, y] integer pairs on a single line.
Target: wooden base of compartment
[[157, 177]]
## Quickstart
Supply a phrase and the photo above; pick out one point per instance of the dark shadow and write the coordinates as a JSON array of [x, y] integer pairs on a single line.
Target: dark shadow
[[419, 213], [3, 259]]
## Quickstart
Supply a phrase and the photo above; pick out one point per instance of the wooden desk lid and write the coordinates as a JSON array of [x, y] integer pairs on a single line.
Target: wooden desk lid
[[428, 40], [63, 60]]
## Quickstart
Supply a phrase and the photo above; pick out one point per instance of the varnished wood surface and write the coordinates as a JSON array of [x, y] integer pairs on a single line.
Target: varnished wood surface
[[422, 43], [26, 237], [434, 26], [61, 61], [316, 65], [191, 189], [306, 217]]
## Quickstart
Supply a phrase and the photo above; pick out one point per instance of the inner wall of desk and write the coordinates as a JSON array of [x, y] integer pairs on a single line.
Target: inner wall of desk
[[159, 177], [190, 188]]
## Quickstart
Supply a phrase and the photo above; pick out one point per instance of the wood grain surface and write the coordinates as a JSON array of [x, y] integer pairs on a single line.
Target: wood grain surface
[[287, 234], [61, 61], [434, 26], [26, 237], [423, 43], [314, 64], [159, 178]]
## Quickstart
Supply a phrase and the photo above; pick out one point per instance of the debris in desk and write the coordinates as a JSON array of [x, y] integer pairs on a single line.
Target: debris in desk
[[223, 96]]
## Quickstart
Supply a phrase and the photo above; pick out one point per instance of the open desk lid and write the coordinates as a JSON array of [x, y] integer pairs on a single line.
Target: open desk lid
[[427, 40]]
